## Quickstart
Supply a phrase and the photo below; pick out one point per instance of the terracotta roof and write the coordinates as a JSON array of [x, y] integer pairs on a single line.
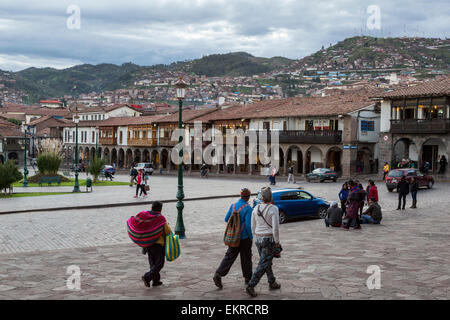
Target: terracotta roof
[[188, 115], [10, 131], [7, 123], [437, 87], [85, 109], [345, 102], [117, 121]]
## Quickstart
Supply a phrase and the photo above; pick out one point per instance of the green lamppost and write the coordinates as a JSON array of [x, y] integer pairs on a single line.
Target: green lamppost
[[25, 170], [76, 187], [179, 227]]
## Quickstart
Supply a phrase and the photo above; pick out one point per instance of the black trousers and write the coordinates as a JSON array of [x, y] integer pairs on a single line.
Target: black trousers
[[156, 260], [402, 197], [142, 188], [245, 251], [343, 206]]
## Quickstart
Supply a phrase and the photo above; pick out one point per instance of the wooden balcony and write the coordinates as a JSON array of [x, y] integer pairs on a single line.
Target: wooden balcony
[[143, 142], [317, 136], [166, 142], [420, 126], [107, 141]]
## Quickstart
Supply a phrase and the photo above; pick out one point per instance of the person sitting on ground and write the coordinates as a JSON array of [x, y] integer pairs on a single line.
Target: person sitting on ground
[[334, 215], [373, 213]]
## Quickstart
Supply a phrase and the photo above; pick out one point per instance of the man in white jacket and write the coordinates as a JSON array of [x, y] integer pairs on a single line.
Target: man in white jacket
[[265, 228]]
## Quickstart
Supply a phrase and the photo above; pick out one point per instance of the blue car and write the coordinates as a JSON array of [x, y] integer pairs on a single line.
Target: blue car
[[293, 202], [110, 169]]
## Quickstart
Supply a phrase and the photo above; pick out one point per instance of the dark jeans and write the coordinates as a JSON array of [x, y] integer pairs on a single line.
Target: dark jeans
[[414, 195], [266, 250], [245, 251], [156, 260], [142, 188], [343, 206], [401, 198]]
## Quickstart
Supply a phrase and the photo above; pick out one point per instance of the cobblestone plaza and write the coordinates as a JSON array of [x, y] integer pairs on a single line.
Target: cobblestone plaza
[[36, 248]]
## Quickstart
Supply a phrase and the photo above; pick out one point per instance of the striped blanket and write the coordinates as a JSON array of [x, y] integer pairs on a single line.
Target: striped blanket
[[146, 227]]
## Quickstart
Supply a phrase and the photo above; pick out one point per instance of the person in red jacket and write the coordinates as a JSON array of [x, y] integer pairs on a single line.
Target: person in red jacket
[[372, 190]]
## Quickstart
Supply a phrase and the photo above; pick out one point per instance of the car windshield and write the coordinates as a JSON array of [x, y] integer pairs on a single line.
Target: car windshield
[[320, 170], [395, 174]]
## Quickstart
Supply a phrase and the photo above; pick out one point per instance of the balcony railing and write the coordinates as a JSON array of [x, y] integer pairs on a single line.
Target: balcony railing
[[107, 141], [317, 136], [166, 142], [420, 126], [143, 142]]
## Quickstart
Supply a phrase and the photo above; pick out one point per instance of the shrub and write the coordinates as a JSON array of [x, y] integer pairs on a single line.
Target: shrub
[[49, 162], [9, 174], [95, 167]]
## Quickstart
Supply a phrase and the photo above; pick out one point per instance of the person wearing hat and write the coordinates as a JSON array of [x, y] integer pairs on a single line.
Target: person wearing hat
[[373, 213], [334, 215], [245, 246]]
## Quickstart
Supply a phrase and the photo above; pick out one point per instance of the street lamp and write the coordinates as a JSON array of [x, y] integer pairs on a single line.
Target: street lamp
[[25, 170], [179, 227], [76, 187]]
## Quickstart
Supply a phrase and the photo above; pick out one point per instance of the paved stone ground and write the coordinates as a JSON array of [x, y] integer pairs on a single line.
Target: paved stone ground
[[410, 247]]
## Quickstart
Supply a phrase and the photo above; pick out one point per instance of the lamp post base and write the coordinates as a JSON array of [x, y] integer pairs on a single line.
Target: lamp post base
[[179, 227]]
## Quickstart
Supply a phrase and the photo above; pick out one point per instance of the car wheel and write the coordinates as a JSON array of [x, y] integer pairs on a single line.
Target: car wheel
[[430, 184], [334, 180], [322, 180], [390, 190], [322, 212], [283, 217]]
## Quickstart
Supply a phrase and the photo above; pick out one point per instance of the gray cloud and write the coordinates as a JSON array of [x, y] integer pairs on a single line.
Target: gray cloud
[[34, 33]]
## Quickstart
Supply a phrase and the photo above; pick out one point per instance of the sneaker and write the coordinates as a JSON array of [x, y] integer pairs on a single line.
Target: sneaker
[[218, 280], [135, 196], [155, 284], [146, 283], [274, 286], [357, 228], [251, 291]]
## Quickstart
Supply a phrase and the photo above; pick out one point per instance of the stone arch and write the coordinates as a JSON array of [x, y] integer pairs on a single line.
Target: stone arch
[[129, 158], [165, 158], [92, 154], [334, 159], [431, 151], [155, 157], [114, 157], [294, 157], [404, 148], [313, 159], [363, 157], [106, 154], [137, 156], [146, 156], [121, 158], [86, 154]]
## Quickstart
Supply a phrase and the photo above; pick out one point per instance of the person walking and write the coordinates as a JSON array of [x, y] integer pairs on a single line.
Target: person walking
[[403, 190], [133, 175], [265, 227], [414, 186], [343, 195], [442, 164], [353, 203], [291, 174], [334, 215], [140, 185], [144, 184], [245, 244], [155, 224], [273, 173], [385, 170], [373, 214]]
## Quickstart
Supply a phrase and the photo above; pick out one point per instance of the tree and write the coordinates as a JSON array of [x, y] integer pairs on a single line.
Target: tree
[[15, 121], [95, 167], [8, 175]]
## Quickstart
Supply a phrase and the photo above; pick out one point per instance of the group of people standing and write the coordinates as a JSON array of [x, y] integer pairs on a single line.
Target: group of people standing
[[404, 187], [353, 198]]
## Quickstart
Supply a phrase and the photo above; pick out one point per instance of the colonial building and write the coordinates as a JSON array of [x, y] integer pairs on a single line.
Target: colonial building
[[415, 124], [12, 142]]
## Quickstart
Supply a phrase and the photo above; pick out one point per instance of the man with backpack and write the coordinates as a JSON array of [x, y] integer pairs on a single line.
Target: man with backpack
[[133, 175], [265, 227], [240, 213]]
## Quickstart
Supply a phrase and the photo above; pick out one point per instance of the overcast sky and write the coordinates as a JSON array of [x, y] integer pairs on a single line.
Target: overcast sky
[[147, 32]]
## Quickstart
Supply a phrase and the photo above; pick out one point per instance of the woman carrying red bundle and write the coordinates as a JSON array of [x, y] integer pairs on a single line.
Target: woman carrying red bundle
[[148, 230]]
